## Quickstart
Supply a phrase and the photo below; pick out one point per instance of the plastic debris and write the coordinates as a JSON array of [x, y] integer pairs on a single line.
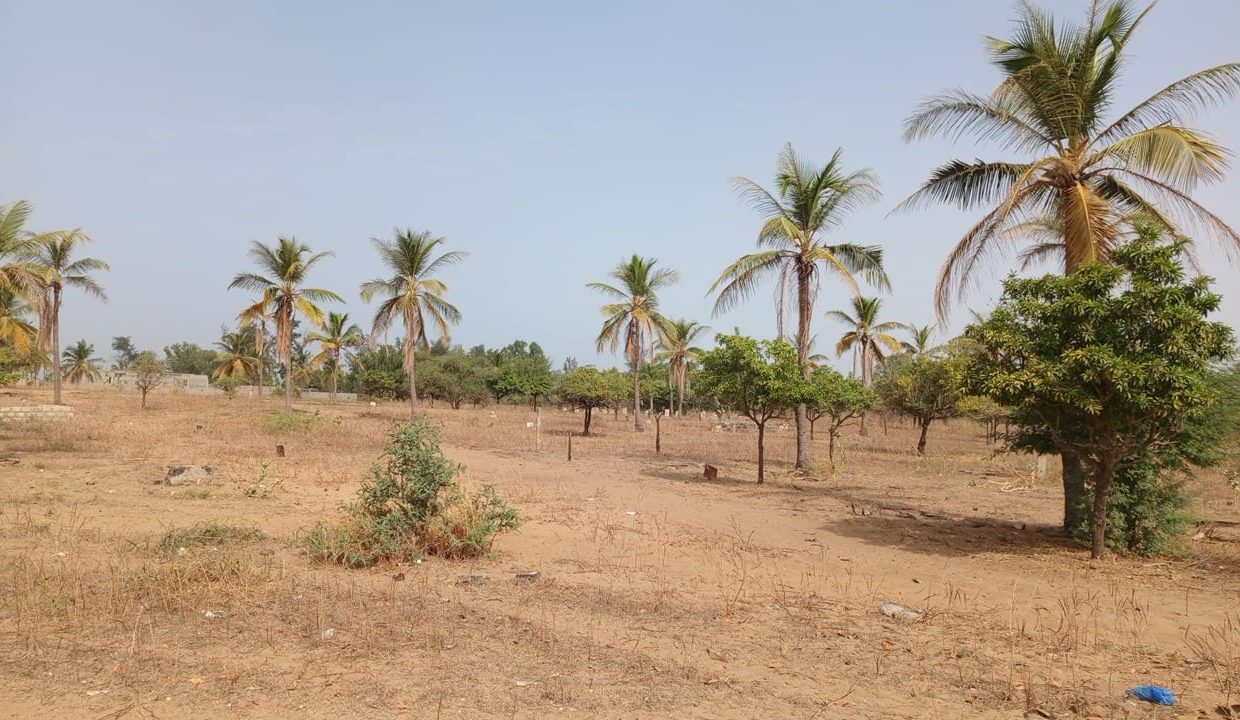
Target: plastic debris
[[1153, 693], [899, 612]]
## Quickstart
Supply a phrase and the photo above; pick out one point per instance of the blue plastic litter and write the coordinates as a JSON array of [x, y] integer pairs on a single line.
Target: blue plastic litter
[[1153, 693]]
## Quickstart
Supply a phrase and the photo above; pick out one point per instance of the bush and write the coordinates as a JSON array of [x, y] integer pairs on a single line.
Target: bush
[[411, 504], [287, 420]]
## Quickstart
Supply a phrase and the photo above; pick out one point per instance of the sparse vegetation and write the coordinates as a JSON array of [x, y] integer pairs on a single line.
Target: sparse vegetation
[[208, 534], [409, 505]]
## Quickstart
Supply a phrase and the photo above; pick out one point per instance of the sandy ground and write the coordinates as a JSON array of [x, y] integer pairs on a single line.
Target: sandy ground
[[660, 595]]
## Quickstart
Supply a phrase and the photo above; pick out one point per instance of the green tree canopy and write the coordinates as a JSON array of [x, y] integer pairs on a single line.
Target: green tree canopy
[[1105, 365], [758, 379], [923, 387]]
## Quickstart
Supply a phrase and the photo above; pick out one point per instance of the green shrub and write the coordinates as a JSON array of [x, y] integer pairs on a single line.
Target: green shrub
[[411, 504], [287, 420]]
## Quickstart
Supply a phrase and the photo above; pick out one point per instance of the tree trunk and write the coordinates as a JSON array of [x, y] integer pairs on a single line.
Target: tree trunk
[[1073, 492], [335, 377], [638, 423], [921, 441], [804, 315], [411, 362], [586, 431], [144, 392], [867, 379], [761, 452], [56, 375], [831, 448], [680, 391], [260, 344], [1102, 502]]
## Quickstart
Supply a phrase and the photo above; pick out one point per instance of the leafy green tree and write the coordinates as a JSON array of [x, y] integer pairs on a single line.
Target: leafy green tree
[[634, 318], [126, 351], [759, 380], [412, 293], [283, 270], [79, 363], [922, 387], [237, 358], [149, 373], [53, 261], [379, 372], [678, 350], [806, 203], [528, 376], [456, 377], [586, 388], [190, 358], [336, 337], [1106, 365], [838, 399]]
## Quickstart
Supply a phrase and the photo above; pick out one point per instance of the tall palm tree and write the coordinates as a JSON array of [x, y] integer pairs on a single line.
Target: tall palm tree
[[79, 363], [412, 294], [337, 338], [677, 349], [919, 342], [238, 357], [634, 319], [53, 261], [1083, 173], [16, 332], [256, 317], [286, 265], [866, 335], [806, 203]]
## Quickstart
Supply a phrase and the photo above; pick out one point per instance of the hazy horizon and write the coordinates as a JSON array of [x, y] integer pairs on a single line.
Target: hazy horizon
[[549, 141]]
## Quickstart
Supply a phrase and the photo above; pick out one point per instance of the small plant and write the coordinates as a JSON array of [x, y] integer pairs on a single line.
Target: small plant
[[411, 505], [207, 534], [260, 488], [194, 493], [288, 420]]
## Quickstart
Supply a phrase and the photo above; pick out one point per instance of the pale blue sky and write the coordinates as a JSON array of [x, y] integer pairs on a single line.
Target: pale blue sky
[[549, 139]]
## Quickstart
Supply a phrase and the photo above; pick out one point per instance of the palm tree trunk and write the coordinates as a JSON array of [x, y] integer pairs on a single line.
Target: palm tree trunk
[[804, 315], [56, 379], [639, 423], [411, 362], [261, 345], [286, 342], [682, 377], [335, 377], [867, 377]]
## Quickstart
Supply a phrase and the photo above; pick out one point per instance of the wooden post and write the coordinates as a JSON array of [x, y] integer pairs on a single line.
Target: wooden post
[[570, 447], [658, 434], [538, 429]]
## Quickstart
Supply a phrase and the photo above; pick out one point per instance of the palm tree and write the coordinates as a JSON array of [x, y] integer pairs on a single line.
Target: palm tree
[[676, 343], [238, 356], [286, 266], [256, 317], [15, 331], [79, 363], [919, 340], [634, 317], [866, 335], [807, 202], [1082, 174], [53, 261], [16, 247], [412, 294], [337, 338]]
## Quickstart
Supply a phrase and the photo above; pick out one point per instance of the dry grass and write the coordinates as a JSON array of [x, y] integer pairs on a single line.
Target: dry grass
[[660, 594]]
